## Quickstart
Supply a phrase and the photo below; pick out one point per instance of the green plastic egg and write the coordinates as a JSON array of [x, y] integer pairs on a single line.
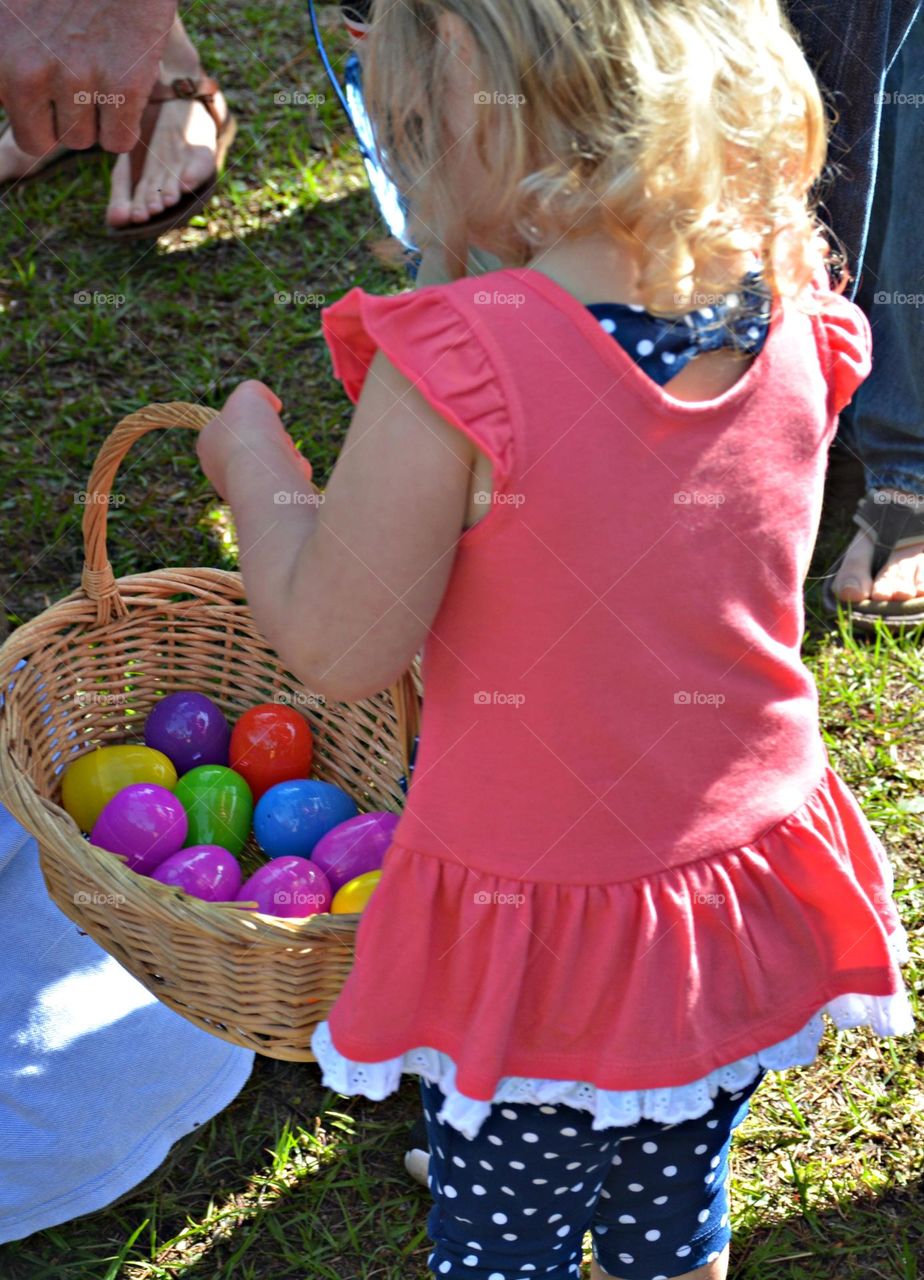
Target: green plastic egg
[[219, 805]]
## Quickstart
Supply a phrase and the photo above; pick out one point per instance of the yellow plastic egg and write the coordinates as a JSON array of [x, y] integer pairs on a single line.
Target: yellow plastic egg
[[90, 782], [353, 896]]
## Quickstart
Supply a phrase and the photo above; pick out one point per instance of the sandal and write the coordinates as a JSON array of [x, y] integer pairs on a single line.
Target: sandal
[[893, 523], [56, 160], [203, 90]]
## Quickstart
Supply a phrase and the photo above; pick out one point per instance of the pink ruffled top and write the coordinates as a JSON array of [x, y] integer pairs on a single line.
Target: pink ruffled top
[[624, 858]]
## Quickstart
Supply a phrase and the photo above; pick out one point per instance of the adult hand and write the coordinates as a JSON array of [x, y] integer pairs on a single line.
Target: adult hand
[[79, 71]]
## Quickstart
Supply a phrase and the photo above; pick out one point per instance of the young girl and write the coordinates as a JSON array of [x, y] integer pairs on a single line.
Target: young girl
[[627, 881]]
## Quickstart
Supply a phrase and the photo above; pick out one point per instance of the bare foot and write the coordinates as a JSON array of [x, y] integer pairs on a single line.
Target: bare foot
[[181, 152], [901, 577], [16, 163], [181, 156]]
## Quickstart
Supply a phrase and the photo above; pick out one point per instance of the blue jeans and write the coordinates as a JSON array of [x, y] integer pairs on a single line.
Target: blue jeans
[[884, 426], [851, 45], [513, 1202]]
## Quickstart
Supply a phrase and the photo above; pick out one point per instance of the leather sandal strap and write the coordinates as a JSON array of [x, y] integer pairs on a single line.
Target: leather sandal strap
[[891, 521], [202, 90]]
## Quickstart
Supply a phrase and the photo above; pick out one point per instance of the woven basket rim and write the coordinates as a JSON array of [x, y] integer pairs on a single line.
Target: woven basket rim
[[254, 980], [100, 865]]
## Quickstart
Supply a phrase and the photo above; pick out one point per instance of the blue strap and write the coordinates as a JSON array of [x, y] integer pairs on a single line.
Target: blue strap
[[350, 96], [325, 62]]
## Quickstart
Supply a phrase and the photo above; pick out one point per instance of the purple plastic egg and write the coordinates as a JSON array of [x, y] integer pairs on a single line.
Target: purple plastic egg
[[290, 887], [203, 870], [354, 847], [189, 729], [144, 822]]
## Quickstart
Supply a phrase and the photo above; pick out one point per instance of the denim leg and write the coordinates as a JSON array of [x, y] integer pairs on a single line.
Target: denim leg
[[886, 425], [850, 45]]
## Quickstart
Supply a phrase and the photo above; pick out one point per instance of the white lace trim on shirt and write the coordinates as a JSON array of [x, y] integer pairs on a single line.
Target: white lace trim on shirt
[[885, 1015]]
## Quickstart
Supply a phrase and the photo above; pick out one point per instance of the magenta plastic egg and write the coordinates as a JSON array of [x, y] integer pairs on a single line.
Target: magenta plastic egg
[[144, 822], [204, 870], [290, 887], [354, 847], [189, 729]]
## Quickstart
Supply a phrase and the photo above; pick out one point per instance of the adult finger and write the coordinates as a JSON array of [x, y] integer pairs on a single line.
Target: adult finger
[[120, 111], [75, 116], [29, 109]]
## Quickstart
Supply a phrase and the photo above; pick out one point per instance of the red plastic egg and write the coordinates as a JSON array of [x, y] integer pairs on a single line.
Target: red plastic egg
[[269, 744]]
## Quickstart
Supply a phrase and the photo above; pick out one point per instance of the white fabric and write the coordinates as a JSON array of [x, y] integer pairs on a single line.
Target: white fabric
[[886, 1015], [98, 1079]]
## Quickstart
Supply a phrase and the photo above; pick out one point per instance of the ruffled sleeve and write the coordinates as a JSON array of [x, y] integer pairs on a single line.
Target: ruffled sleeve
[[846, 347], [439, 350]]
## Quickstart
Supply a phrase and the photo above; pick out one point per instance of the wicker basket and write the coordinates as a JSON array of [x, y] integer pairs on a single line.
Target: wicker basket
[[84, 674]]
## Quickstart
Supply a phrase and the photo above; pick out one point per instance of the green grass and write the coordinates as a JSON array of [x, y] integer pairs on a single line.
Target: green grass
[[290, 1180]]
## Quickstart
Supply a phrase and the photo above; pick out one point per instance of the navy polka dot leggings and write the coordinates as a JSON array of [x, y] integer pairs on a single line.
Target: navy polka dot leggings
[[514, 1202]]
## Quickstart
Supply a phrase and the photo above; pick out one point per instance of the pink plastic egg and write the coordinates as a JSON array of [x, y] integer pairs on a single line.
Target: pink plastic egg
[[354, 847], [289, 887], [203, 870], [144, 822]]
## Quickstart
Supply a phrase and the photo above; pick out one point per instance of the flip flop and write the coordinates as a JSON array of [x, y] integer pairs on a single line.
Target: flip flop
[[56, 160], [203, 90], [892, 524]]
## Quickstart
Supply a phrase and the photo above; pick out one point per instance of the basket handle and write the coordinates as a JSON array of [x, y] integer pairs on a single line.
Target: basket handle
[[99, 582], [97, 579]]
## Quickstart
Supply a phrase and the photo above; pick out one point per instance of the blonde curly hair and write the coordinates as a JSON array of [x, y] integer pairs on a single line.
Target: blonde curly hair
[[691, 130]]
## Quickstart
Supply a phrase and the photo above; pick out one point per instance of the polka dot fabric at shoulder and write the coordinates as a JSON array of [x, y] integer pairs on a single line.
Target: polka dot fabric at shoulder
[[663, 347], [654, 1196]]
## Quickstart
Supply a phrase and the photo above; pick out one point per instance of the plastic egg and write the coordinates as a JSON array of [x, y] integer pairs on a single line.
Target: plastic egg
[[145, 822], [218, 804], [188, 728], [203, 870], [354, 847], [90, 782], [353, 896], [269, 744], [289, 887], [291, 817]]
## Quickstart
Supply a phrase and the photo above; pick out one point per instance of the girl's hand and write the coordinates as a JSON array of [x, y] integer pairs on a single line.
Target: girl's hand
[[345, 584], [247, 431]]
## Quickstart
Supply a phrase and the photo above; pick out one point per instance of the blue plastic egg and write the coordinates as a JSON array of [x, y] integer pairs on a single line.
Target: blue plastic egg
[[292, 817]]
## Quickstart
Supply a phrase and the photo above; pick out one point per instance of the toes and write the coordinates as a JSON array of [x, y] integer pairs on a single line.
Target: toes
[[148, 198], [119, 209], [899, 577], [156, 200], [170, 193], [854, 580], [180, 157]]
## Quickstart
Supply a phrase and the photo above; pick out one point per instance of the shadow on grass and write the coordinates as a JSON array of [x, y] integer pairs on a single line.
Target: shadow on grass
[[352, 1213]]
